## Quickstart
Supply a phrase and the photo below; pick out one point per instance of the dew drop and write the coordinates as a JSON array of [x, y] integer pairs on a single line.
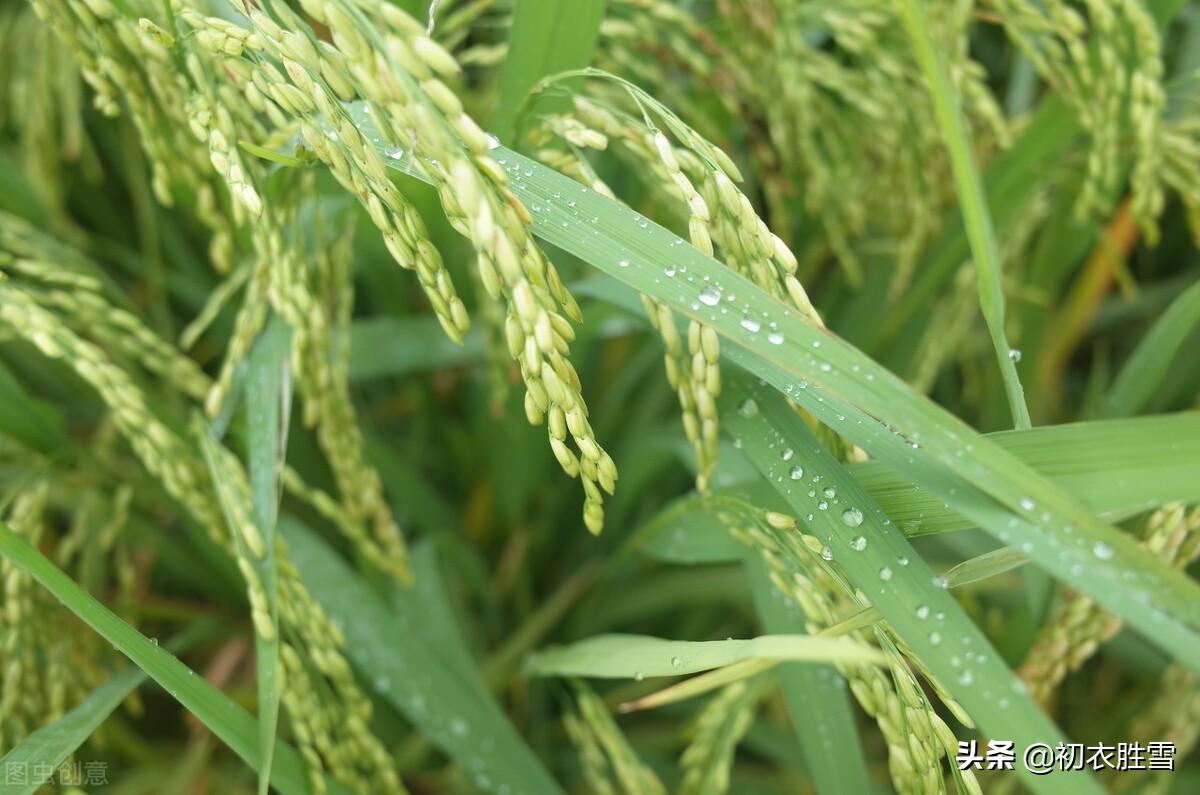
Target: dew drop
[[826, 552], [851, 517], [748, 408], [859, 543], [623, 263], [922, 612], [796, 472], [710, 295], [935, 638], [775, 338], [1014, 354], [787, 454], [885, 574], [1102, 551], [676, 662], [822, 505]]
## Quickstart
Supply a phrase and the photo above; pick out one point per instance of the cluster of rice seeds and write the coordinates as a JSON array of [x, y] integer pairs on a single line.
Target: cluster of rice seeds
[[329, 714], [41, 101], [344, 742], [851, 133], [1181, 169], [745, 243], [164, 454], [27, 695], [652, 42], [48, 665], [610, 765], [1108, 67], [317, 303], [384, 57], [130, 64], [250, 548], [1077, 628], [722, 723], [1172, 717], [917, 738]]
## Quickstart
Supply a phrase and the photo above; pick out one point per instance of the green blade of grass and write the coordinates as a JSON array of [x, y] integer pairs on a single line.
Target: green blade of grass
[[619, 656], [973, 201], [1115, 467], [816, 697], [1148, 364], [877, 559], [48, 747], [851, 393], [548, 37], [230, 723], [384, 640], [1011, 182], [268, 397], [700, 684]]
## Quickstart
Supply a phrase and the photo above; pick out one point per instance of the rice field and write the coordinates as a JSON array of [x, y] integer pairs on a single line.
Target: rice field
[[614, 397]]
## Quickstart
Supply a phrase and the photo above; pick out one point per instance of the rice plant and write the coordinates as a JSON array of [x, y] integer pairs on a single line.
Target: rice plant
[[869, 331]]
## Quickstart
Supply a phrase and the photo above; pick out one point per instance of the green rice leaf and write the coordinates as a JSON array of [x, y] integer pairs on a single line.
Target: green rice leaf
[[268, 401], [1116, 467], [976, 217], [548, 37], [879, 561], [816, 696], [48, 747], [1147, 366], [619, 656], [230, 723], [384, 640]]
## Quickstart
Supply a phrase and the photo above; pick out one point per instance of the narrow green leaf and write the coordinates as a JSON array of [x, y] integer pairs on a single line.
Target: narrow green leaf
[[882, 564], [702, 683], [816, 696], [41, 752], [384, 640], [1115, 467], [44, 750], [548, 37], [1148, 364], [977, 218], [617, 656], [268, 401], [233, 725]]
